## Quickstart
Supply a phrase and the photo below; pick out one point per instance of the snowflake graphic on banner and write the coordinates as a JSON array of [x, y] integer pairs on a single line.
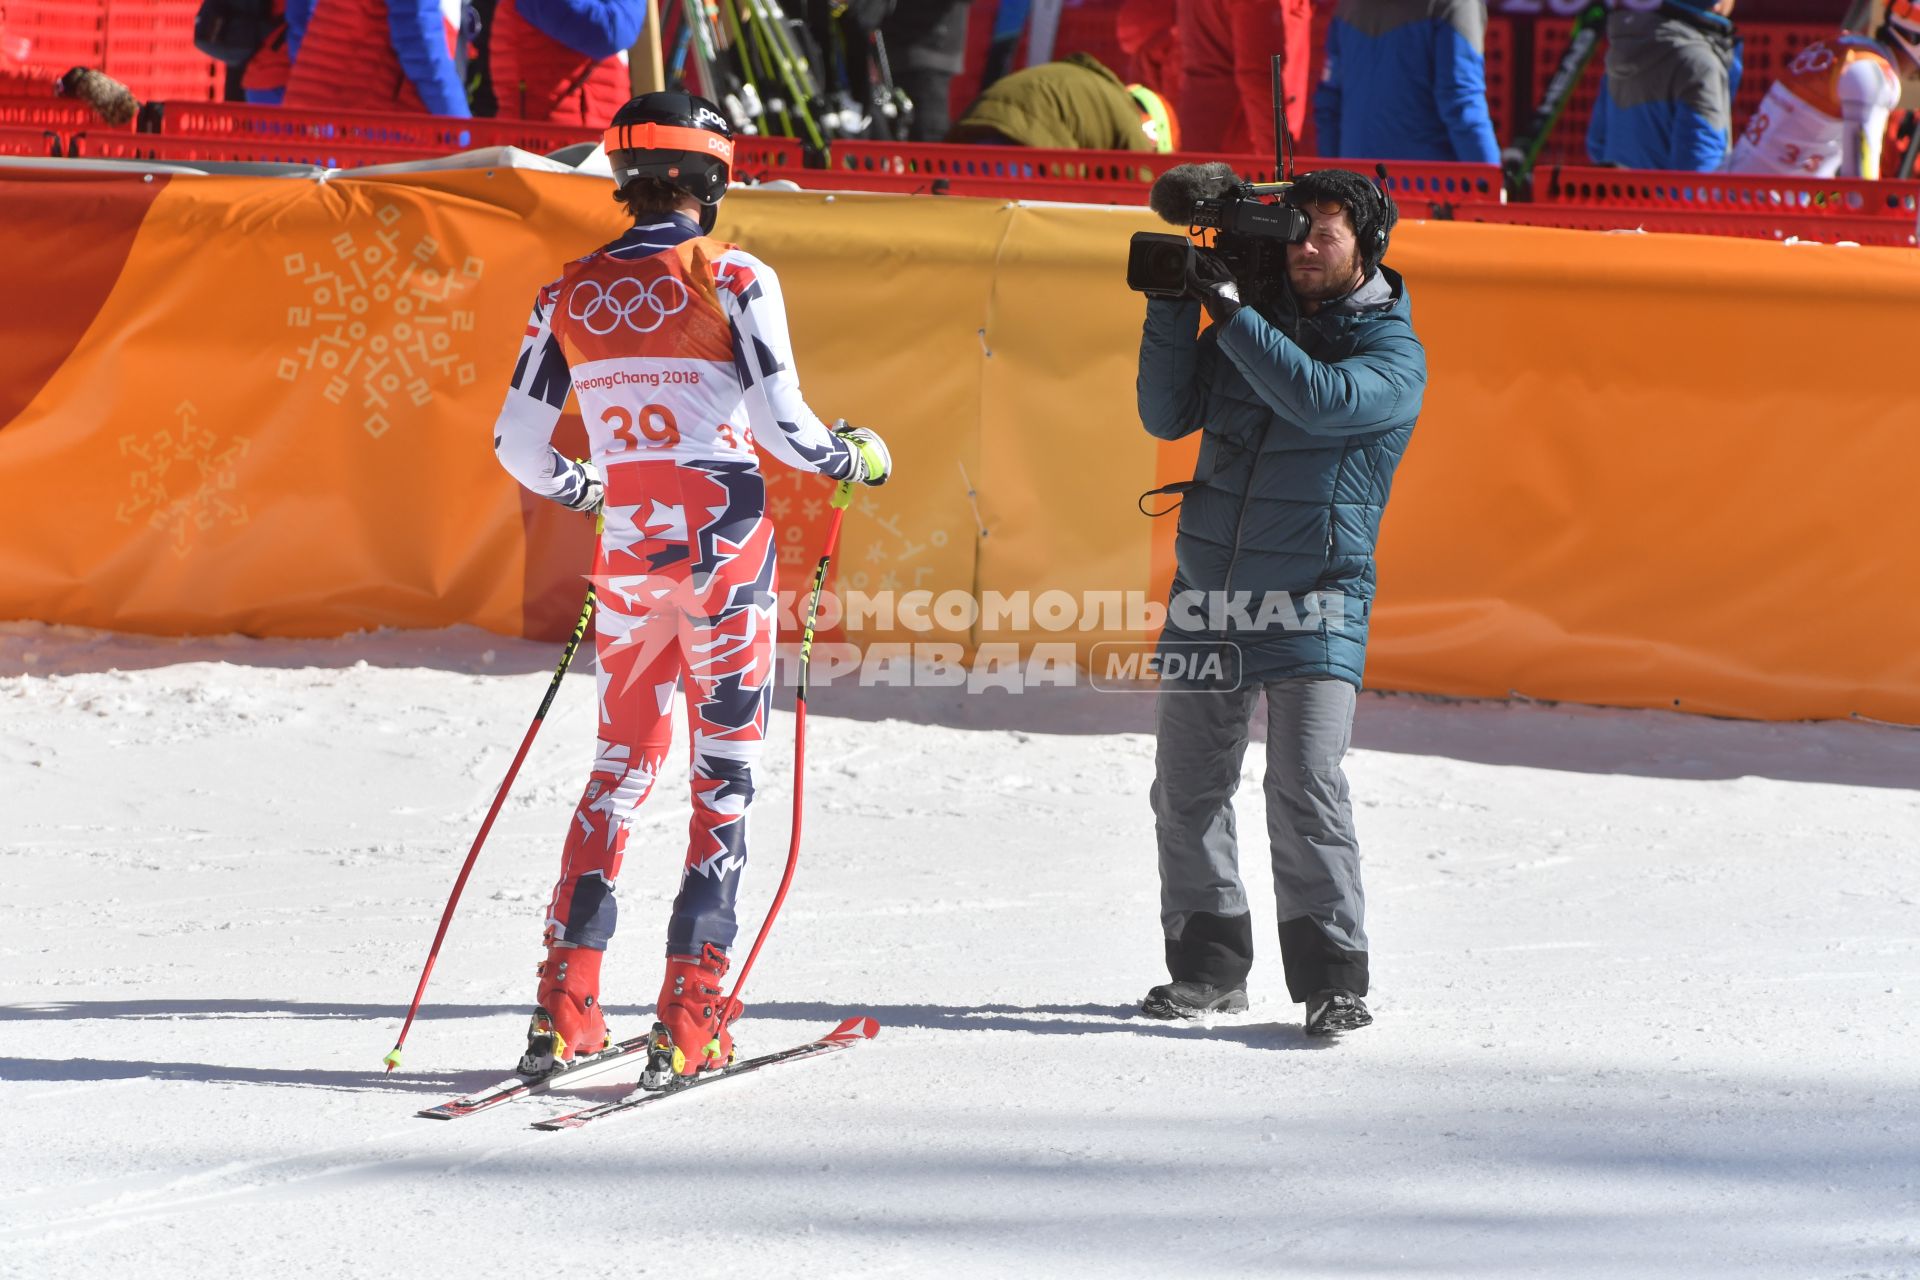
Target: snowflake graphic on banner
[[798, 504], [384, 320], [182, 480]]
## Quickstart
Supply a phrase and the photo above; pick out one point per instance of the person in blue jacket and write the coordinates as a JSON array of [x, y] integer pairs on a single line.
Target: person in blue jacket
[[1667, 101], [379, 55], [1305, 392], [1405, 80]]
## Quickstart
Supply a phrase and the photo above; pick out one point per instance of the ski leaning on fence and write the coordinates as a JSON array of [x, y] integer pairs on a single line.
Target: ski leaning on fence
[[849, 1033]]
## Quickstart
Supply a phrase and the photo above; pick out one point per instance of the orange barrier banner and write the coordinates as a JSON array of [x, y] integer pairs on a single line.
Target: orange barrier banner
[[1652, 470]]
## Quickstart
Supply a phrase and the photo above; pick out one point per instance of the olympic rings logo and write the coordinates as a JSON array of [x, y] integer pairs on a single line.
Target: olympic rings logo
[[642, 307]]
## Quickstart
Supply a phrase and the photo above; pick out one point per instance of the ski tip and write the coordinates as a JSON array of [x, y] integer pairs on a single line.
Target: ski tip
[[392, 1059], [861, 1028]]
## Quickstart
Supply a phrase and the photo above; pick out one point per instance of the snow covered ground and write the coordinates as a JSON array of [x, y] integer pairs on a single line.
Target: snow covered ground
[[1645, 986]]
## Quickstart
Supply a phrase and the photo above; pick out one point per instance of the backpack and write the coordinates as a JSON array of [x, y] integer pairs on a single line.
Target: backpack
[[232, 31]]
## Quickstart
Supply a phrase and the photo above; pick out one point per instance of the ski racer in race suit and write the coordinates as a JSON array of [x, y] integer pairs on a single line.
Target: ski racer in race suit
[[1827, 116], [676, 347]]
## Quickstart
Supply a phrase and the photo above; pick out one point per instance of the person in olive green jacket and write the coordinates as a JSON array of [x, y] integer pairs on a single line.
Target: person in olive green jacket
[[1073, 103]]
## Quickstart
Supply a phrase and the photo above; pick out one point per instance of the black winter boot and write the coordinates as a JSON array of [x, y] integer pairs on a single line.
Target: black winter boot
[[1190, 1000]]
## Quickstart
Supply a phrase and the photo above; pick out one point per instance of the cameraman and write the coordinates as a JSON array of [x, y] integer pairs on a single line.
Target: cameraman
[[1307, 389]]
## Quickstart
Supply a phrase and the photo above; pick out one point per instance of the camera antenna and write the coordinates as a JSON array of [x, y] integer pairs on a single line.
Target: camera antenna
[[1282, 140]]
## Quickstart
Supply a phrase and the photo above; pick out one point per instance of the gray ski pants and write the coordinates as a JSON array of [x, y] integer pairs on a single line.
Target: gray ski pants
[[1202, 737]]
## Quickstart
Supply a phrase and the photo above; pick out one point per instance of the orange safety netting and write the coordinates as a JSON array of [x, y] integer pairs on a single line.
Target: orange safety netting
[[1652, 471]]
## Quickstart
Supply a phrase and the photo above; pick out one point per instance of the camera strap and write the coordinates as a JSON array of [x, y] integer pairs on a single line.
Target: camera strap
[[1179, 487]]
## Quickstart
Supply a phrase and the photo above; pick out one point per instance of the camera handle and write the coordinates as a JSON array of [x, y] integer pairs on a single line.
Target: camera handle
[[1282, 140]]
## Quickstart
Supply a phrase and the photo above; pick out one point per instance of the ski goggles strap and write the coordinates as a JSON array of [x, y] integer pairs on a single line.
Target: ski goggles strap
[[667, 137]]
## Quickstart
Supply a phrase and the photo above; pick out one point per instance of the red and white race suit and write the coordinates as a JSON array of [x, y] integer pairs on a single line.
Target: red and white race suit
[[676, 347], [1826, 116]]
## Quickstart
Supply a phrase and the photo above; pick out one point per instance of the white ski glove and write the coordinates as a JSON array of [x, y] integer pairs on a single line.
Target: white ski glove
[[582, 490], [873, 465]]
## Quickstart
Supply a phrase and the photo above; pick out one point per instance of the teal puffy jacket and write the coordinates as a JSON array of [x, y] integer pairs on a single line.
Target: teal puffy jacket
[[1302, 439]]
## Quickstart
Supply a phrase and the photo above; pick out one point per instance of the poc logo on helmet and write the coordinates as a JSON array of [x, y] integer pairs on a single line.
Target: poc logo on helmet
[[706, 115], [642, 307]]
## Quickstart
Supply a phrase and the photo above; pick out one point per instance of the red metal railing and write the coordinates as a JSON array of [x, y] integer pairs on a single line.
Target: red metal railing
[[63, 115], [145, 44], [1729, 193], [1109, 177], [30, 140], [1881, 213], [314, 151], [229, 132], [1784, 224], [415, 132]]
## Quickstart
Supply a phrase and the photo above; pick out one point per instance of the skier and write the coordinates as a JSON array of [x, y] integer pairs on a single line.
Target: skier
[[1827, 116], [676, 346], [1667, 99]]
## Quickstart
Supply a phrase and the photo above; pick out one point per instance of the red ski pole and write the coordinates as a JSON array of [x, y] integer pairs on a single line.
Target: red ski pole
[[446, 917], [842, 499]]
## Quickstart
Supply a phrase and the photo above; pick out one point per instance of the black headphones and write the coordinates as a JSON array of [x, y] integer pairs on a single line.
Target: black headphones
[[1382, 217]]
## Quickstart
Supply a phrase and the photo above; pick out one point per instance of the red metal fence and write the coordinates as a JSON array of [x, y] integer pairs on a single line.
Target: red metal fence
[[1104, 177], [145, 44], [1710, 193], [1785, 224]]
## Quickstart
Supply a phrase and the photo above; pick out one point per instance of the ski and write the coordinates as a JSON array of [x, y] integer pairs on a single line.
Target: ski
[[521, 1086], [1583, 42], [849, 1033]]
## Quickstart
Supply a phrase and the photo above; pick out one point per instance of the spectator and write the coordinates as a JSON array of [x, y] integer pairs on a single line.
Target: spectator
[[1148, 34], [1406, 82], [927, 46], [1667, 101], [251, 39], [375, 55], [264, 80], [1827, 116], [563, 60], [1075, 102], [1226, 88]]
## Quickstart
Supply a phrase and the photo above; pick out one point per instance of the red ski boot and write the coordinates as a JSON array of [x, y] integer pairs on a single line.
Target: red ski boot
[[693, 1032], [568, 1020]]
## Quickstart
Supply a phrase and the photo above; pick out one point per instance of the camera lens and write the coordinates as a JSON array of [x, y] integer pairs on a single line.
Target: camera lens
[[1167, 265], [1157, 264]]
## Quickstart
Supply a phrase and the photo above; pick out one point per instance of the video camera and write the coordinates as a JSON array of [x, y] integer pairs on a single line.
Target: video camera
[[1252, 223], [1251, 229]]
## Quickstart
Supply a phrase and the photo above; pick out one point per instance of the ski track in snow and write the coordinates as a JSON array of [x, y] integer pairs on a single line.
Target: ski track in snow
[[1644, 985]]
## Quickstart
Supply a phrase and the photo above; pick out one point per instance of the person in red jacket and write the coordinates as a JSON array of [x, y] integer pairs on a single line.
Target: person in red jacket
[[1227, 46], [265, 77], [1147, 34], [563, 60], [378, 55]]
